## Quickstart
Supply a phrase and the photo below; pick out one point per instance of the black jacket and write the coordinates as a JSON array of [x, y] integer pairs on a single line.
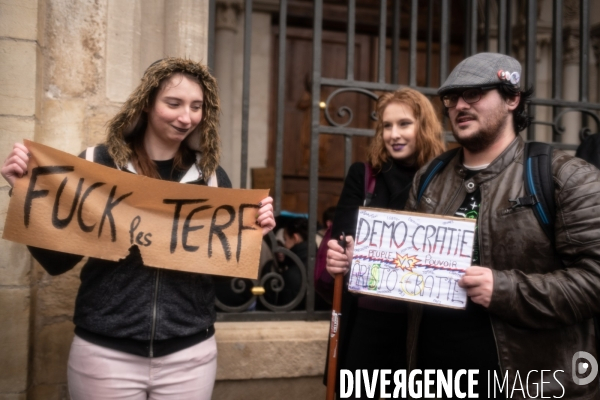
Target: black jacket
[[392, 188], [127, 306]]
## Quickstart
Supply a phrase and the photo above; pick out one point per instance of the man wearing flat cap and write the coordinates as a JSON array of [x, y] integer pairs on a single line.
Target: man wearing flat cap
[[529, 317]]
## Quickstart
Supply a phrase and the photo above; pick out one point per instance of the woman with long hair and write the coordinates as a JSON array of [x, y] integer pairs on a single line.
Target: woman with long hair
[[143, 332], [408, 135]]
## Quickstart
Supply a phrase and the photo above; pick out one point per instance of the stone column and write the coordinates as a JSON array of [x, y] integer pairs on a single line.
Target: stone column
[[186, 29], [571, 121], [595, 48], [543, 62], [260, 92], [18, 76], [543, 79], [152, 45], [226, 28], [123, 42], [595, 83]]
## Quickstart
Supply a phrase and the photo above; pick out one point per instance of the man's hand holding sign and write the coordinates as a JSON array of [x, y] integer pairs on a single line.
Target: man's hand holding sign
[[67, 204], [479, 283]]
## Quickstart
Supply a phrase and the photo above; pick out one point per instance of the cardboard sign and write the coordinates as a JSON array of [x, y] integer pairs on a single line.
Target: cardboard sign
[[68, 204], [409, 256]]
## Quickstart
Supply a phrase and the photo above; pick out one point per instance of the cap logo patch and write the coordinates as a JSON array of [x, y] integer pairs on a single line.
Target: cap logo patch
[[512, 77]]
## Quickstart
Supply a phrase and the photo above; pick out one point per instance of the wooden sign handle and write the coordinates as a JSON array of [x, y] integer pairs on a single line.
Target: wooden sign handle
[[334, 334]]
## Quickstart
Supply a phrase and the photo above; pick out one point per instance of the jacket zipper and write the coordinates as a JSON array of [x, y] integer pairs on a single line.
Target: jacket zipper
[[154, 312]]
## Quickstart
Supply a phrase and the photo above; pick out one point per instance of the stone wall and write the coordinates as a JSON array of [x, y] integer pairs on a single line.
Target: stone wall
[[271, 360], [19, 53]]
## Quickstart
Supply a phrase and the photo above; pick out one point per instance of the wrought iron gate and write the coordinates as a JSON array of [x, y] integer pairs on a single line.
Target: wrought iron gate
[[478, 36]]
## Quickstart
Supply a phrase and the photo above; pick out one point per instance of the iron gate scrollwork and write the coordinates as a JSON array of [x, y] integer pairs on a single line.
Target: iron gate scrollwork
[[271, 282], [345, 111]]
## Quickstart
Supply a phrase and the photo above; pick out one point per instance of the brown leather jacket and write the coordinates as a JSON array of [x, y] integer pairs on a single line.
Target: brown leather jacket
[[544, 297]]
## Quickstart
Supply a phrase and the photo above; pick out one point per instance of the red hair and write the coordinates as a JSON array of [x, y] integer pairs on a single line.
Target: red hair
[[429, 137]]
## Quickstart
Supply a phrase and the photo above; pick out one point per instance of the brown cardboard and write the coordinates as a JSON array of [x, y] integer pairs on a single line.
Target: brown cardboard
[[115, 210]]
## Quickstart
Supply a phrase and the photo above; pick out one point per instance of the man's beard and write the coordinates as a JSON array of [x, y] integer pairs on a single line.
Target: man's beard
[[486, 136]]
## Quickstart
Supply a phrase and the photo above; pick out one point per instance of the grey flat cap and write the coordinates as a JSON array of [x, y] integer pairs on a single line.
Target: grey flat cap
[[483, 69]]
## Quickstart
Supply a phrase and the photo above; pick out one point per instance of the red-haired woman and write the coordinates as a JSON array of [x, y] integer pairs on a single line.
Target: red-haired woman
[[408, 135]]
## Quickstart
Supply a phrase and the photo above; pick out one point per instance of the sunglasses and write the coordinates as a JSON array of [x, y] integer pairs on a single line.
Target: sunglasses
[[470, 96]]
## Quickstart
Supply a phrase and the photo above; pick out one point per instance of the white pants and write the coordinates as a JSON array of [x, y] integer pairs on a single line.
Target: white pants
[[99, 373]]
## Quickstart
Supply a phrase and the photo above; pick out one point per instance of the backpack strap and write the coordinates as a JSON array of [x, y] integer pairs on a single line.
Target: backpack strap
[[539, 185], [369, 183], [435, 166]]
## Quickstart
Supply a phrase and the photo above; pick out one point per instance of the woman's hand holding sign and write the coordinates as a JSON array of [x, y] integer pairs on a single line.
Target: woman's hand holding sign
[[15, 165], [338, 261], [479, 283], [265, 215]]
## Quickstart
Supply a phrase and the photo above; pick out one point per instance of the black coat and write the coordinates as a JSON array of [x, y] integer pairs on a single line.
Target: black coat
[[392, 187]]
